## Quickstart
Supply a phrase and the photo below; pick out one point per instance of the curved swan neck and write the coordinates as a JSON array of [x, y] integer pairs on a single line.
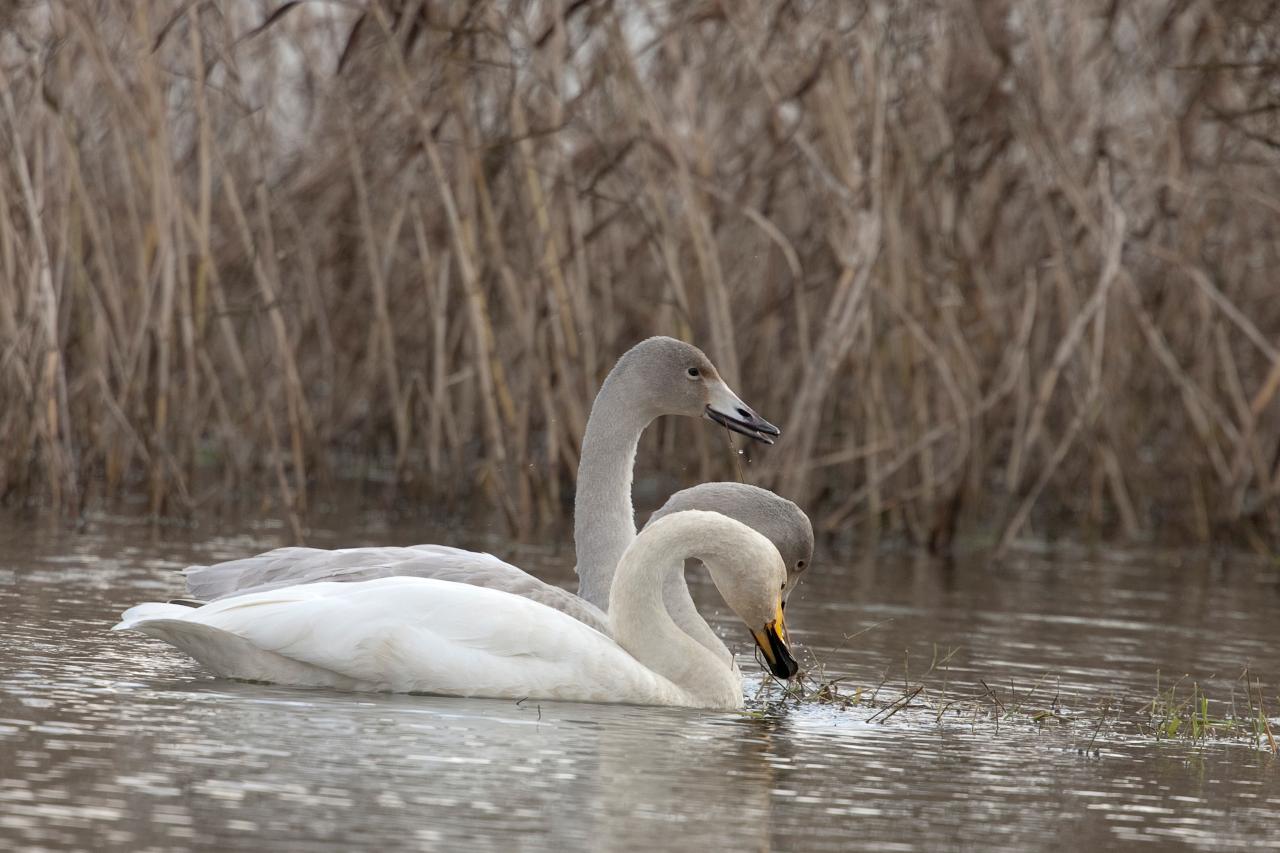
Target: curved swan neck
[[603, 519], [679, 603], [642, 625]]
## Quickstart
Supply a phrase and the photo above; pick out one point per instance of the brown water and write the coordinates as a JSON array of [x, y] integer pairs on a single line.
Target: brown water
[[111, 741]]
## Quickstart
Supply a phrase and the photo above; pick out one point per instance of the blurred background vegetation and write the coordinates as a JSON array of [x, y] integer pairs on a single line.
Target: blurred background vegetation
[[1000, 269]]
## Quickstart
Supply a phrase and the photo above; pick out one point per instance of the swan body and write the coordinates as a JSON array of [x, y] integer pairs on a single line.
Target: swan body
[[780, 520], [649, 380], [404, 635], [412, 634]]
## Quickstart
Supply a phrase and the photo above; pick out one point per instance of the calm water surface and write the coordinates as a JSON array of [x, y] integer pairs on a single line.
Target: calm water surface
[[111, 741]]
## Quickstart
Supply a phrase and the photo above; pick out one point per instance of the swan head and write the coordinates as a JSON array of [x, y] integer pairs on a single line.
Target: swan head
[[748, 571], [780, 520], [670, 377]]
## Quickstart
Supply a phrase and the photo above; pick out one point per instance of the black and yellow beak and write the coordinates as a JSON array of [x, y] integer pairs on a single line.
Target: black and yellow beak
[[773, 644]]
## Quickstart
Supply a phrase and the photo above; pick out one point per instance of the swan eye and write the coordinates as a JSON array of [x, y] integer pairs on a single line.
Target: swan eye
[[800, 565], [693, 372]]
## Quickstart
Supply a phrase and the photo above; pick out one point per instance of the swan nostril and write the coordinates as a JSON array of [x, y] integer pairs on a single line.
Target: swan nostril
[[746, 414]]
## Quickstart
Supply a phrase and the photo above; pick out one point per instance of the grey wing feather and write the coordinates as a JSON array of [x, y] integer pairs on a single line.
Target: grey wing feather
[[289, 566]]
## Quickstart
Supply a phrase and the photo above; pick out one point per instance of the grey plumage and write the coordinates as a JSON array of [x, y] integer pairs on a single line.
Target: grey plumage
[[780, 520], [288, 566]]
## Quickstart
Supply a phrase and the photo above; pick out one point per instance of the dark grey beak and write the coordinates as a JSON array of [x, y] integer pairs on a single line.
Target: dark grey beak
[[745, 422]]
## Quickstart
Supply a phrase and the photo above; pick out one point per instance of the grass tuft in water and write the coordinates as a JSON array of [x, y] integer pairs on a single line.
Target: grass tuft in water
[[1177, 712]]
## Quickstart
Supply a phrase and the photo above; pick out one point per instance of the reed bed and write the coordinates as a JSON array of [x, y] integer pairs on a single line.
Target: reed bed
[[1003, 269]]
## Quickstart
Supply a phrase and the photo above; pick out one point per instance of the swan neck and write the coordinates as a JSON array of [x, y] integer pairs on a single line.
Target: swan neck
[[678, 601], [603, 518], [642, 625]]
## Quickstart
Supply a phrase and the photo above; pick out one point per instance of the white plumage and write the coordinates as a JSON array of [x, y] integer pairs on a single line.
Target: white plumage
[[411, 634], [295, 565], [402, 635]]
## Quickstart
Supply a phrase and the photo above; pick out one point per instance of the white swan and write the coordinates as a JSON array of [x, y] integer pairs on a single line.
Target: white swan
[[410, 634], [655, 377]]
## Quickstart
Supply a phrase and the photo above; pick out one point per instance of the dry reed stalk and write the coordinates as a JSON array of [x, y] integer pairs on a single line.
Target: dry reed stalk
[[53, 428], [293, 383], [888, 224], [1087, 411], [386, 339], [551, 252], [481, 328]]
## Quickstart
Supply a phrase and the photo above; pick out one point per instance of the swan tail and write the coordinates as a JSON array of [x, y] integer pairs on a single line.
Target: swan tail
[[131, 618], [223, 653]]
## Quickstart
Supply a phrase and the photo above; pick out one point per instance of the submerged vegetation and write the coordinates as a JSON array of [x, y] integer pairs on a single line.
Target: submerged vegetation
[[1179, 711], [1170, 715], [1004, 266]]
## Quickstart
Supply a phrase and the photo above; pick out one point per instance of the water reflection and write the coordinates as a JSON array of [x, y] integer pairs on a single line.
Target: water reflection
[[120, 742]]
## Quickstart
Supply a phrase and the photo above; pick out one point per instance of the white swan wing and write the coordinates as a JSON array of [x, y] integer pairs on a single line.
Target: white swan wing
[[406, 635], [296, 565]]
